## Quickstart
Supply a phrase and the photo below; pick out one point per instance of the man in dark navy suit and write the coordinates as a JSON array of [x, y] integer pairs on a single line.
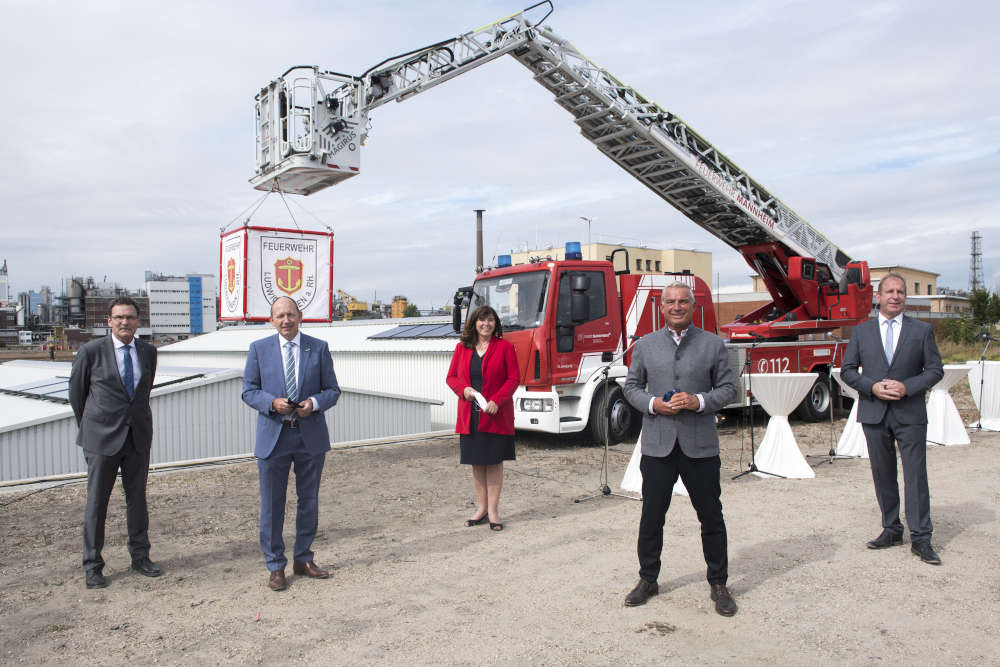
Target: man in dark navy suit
[[109, 391], [289, 380], [892, 361]]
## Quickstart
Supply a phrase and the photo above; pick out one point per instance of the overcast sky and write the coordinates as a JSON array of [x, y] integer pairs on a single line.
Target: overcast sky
[[128, 137]]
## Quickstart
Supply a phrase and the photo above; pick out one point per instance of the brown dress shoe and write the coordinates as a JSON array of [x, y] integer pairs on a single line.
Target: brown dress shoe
[[310, 570], [277, 582], [724, 603]]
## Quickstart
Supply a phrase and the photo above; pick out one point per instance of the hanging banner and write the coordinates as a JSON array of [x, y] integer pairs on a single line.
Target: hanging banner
[[269, 263]]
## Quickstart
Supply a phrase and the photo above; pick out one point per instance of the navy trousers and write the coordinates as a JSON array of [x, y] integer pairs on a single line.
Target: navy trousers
[[701, 478], [291, 451]]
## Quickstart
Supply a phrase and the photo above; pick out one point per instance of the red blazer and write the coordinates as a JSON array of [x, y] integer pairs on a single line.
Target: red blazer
[[500, 378]]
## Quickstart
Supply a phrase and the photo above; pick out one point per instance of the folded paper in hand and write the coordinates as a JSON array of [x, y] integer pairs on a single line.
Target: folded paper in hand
[[480, 400]]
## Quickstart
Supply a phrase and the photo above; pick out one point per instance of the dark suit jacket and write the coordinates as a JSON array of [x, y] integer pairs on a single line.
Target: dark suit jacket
[[916, 363], [264, 380], [501, 378], [104, 413], [700, 365]]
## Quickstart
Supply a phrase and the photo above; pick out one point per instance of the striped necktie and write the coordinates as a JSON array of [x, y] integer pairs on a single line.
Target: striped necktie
[[290, 387]]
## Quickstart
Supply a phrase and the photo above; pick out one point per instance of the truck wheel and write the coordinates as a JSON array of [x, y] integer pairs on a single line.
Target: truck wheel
[[617, 421], [816, 405]]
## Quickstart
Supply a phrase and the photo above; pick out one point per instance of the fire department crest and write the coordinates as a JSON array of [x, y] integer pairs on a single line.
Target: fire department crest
[[288, 275], [231, 275], [288, 268]]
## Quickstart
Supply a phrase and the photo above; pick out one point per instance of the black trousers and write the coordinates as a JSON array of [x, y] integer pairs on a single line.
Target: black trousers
[[912, 440], [701, 477], [101, 473]]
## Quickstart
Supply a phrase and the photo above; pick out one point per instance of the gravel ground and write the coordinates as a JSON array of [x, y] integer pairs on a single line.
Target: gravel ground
[[412, 585]]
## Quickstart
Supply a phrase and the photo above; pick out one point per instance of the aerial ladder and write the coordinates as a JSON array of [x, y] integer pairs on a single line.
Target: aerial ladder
[[311, 124]]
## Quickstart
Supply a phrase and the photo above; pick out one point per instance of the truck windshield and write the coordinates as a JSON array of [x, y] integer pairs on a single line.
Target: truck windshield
[[519, 299]]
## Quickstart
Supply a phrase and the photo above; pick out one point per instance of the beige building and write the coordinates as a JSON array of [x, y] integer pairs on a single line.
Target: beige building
[[641, 259], [918, 282]]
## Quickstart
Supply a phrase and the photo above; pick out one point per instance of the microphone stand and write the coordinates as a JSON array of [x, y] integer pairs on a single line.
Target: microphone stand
[[604, 489], [982, 380], [748, 372]]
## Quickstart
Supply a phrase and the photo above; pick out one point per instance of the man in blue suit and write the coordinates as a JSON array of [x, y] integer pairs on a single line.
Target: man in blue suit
[[892, 361], [289, 380]]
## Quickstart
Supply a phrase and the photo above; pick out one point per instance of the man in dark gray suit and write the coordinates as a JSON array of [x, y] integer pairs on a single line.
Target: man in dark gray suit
[[679, 378], [892, 362], [109, 390]]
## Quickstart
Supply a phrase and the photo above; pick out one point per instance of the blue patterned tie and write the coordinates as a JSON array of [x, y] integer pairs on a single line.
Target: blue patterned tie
[[290, 388], [127, 374], [888, 340]]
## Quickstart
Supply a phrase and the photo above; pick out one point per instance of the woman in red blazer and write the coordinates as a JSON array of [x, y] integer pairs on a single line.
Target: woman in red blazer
[[485, 364]]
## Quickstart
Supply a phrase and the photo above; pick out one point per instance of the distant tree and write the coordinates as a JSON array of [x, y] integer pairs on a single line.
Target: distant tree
[[979, 303], [411, 310]]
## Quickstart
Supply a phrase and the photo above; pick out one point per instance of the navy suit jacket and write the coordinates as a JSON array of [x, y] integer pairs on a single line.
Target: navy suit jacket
[[916, 363], [264, 380], [104, 413]]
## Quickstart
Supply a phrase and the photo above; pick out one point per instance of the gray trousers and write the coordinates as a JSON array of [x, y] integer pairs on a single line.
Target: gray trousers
[[912, 441]]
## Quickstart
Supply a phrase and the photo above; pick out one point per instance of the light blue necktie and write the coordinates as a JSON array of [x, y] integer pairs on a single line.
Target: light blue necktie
[[290, 387], [888, 340], [128, 376]]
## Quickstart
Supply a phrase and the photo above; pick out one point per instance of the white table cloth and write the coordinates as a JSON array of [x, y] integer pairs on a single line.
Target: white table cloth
[[944, 424], [852, 439], [989, 411], [779, 394], [632, 479]]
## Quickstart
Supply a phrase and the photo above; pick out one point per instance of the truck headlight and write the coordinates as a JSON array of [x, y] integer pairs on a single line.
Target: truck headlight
[[536, 405]]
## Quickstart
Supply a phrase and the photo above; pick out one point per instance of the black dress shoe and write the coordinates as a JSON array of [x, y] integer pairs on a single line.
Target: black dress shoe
[[926, 552], [642, 592], [95, 579], [146, 567], [725, 605], [886, 539]]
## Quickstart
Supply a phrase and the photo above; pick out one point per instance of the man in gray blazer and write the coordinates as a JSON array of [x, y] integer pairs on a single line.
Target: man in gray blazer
[[679, 378], [892, 361], [109, 390]]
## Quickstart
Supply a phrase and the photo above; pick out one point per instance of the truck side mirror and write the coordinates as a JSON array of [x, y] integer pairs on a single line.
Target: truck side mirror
[[456, 319], [579, 307]]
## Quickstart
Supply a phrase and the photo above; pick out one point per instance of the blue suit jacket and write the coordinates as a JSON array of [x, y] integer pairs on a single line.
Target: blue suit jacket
[[916, 363], [264, 380]]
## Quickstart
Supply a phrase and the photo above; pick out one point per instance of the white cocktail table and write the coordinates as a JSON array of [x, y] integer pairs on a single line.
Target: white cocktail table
[[944, 424], [779, 394], [989, 411], [852, 439]]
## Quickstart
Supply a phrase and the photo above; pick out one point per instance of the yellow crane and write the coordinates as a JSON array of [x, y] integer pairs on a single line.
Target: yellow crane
[[354, 307]]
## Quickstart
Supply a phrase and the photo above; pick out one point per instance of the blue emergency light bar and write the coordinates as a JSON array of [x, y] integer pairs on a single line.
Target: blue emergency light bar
[[573, 250], [503, 261]]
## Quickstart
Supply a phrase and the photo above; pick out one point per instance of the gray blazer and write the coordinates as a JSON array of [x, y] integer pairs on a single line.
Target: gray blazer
[[103, 410], [916, 363], [700, 365]]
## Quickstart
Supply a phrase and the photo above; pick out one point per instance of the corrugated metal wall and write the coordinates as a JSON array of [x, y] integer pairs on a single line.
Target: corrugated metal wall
[[205, 418], [411, 372]]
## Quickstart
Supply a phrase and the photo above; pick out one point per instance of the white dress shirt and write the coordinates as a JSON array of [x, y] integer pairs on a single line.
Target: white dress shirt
[[896, 327], [120, 360], [296, 346]]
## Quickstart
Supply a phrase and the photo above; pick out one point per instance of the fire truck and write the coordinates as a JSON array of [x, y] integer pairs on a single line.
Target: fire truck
[[573, 321]]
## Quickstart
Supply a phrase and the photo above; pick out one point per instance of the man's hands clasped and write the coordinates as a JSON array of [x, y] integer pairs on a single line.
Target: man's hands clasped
[[284, 407], [679, 401], [889, 390]]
